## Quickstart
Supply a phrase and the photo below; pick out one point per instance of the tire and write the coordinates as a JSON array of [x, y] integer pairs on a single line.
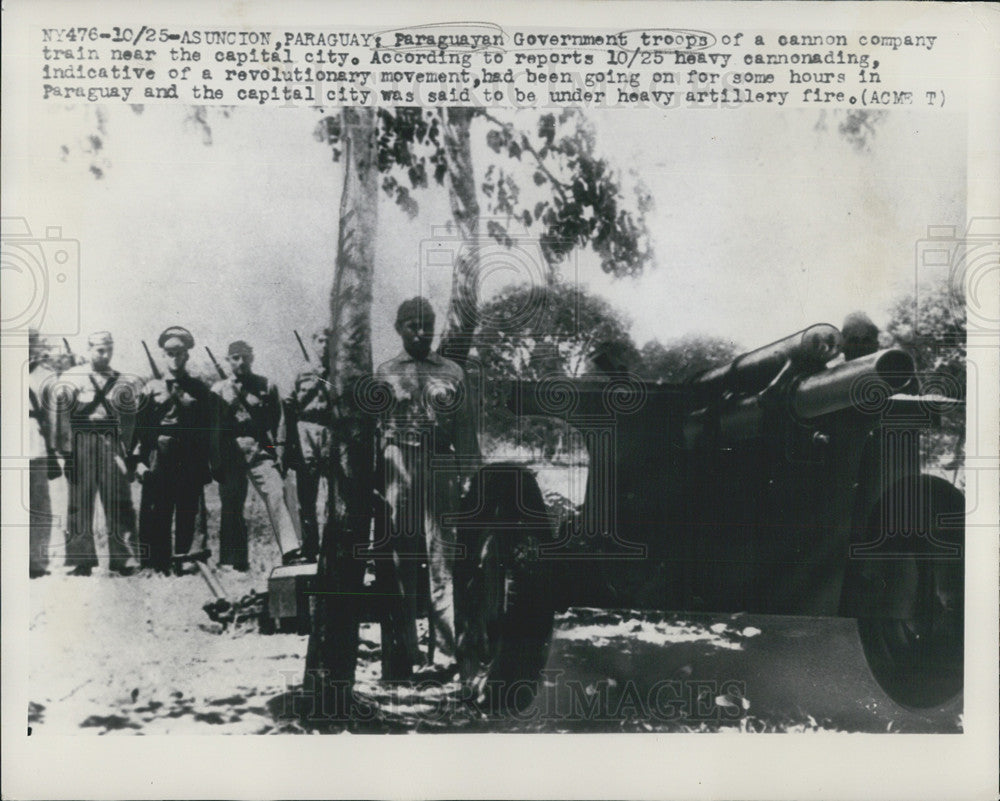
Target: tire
[[503, 592], [913, 629]]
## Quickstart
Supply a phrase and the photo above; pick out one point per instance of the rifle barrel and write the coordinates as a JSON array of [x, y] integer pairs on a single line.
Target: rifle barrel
[[218, 367], [156, 370], [302, 347]]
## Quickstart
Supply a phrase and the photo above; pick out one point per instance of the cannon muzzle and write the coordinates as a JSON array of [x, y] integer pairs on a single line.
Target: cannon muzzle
[[862, 383]]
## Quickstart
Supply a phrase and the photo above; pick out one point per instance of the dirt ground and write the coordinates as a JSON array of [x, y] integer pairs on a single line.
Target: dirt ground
[[139, 655]]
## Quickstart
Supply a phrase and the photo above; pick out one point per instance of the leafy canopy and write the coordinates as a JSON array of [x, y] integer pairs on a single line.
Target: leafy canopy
[[575, 198], [681, 358], [533, 332]]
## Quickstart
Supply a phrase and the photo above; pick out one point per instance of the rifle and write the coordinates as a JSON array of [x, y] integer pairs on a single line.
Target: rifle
[[302, 347], [152, 364], [305, 355], [218, 367], [265, 433]]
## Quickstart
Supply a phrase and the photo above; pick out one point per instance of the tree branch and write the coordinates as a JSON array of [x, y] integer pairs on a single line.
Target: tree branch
[[526, 145]]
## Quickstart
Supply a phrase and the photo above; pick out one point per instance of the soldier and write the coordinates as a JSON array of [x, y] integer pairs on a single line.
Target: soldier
[[96, 416], [172, 452], [253, 448], [860, 336], [428, 429], [308, 409], [43, 466]]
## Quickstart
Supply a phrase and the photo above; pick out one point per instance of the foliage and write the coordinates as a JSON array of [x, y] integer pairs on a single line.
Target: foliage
[[410, 150], [681, 358], [530, 332], [931, 325], [91, 146], [577, 198], [582, 201]]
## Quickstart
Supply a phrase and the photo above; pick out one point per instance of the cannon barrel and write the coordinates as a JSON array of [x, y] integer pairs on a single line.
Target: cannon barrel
[[753, 371], [864, 382]]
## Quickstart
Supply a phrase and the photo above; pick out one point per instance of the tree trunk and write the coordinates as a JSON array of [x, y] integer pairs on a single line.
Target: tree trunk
[[463, 309], [332, 653]]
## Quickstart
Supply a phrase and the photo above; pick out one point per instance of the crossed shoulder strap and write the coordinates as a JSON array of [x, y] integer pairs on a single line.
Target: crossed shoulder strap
[[100, 396]]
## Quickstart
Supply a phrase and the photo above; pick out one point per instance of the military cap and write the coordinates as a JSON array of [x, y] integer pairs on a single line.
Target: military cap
[[100, 338], [415, 307], [175, 332], [240, 348]]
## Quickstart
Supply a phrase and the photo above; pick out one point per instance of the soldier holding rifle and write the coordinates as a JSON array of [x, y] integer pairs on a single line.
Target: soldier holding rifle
[[95, 423], [172, 451], [43, 466], [253, 441], [308, 417]]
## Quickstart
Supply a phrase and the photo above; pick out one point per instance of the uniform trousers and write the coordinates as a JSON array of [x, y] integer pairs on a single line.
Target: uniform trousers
[[307, 476], [97, 468], [170, 499], [260, 470], [313, 464], [40, 516], [421, 487]]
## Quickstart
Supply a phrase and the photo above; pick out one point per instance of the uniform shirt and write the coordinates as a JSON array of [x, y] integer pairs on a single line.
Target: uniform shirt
[[310, 406], [310, 397], [267, 421], [89, 399], [430, 404], [175, 406], [41, 410]]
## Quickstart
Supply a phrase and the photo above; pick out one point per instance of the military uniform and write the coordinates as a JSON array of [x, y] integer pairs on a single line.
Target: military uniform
[[96, 418], [252, 424], [173, 441], [428, 428], [308, 408], [42, 465]]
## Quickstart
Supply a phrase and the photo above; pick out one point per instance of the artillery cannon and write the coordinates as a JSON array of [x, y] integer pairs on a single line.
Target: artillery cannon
[[786, 482]]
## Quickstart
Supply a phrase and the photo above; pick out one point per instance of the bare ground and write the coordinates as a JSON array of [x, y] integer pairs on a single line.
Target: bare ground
[[138, 655]]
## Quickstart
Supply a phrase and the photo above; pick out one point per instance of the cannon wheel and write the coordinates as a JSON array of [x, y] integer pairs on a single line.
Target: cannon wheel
[[503, 592], [913, 634]]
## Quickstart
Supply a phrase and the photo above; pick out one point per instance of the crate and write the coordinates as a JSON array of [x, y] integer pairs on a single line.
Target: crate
[[288, 593]]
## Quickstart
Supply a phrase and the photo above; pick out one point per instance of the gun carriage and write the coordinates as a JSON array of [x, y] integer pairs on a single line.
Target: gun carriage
[[786, 482]]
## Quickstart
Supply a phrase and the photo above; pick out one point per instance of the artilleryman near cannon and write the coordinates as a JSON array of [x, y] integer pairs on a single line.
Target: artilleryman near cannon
[[786, 482]]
